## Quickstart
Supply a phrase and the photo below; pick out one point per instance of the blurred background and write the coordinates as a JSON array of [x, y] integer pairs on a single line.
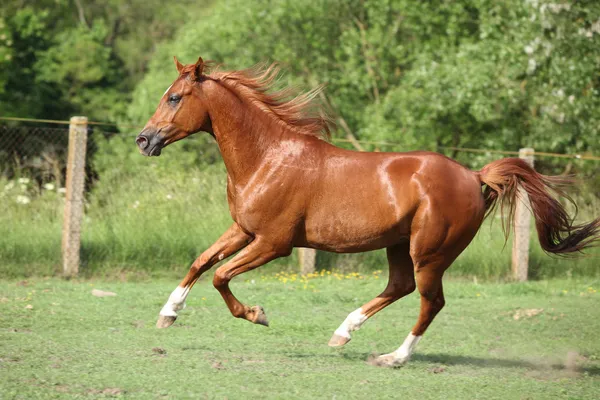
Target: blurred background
[[473, 79]]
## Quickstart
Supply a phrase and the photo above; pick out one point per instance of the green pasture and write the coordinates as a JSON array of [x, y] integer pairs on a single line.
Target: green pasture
[[534, 340]]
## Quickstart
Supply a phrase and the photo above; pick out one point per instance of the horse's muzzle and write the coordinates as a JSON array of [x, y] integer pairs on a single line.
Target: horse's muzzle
[[150, 143]]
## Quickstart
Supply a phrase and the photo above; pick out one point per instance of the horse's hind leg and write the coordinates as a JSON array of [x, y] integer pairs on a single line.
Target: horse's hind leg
[[433, 247], [401, 282], [429, 283]]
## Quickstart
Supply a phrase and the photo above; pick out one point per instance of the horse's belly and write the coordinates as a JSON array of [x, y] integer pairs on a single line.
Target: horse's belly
[[356, 232]]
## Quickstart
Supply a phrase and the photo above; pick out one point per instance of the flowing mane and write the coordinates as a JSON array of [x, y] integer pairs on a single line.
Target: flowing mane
[[298, 112]]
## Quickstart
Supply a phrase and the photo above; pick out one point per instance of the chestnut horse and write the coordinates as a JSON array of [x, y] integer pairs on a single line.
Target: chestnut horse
[[287, 187]]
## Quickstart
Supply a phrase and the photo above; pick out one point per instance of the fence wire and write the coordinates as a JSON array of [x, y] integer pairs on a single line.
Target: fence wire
[[155, 213], [34, 152]]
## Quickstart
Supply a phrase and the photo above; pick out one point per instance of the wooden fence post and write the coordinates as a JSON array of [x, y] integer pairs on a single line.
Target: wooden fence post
[[520, 249], [73, 216], [307, 258]]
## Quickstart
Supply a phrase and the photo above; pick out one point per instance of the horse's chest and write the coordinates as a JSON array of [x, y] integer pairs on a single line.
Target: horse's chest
[[257, 209]]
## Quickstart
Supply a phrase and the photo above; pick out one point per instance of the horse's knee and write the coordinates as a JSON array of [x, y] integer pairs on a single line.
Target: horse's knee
[[220, 280], [199, 263]]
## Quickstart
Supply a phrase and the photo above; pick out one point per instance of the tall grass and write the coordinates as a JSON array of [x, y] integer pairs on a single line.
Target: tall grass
[[154, 217]]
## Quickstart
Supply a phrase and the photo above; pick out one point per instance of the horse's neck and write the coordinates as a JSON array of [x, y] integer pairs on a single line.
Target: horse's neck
[[243, 135]]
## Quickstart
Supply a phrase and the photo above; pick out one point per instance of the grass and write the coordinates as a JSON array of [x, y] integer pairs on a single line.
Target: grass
[[59, 341]]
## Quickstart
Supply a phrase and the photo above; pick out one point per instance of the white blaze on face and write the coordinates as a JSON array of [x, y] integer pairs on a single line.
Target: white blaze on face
[[176, 302], [167, 91], [352, 323]]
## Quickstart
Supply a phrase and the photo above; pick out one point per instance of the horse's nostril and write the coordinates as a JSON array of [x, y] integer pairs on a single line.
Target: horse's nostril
[[142, 142]]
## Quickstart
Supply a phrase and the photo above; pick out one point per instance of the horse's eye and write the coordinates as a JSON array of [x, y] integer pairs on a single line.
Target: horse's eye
[[174, 98]]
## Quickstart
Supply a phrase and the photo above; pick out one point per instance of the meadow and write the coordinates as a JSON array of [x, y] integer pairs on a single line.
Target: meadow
[[495, 341]]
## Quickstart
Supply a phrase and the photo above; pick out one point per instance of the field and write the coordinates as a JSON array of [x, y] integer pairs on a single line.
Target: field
[[535, 340]]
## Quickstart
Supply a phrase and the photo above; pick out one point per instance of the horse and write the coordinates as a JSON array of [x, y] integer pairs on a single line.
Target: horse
[[287, 187]]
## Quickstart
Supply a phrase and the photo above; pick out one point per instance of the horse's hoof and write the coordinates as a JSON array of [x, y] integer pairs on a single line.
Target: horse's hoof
[[388, 361], [259, 316], [338, 341], [165, 321]]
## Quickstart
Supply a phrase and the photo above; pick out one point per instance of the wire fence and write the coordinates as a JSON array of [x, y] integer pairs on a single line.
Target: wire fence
[[151, 213]]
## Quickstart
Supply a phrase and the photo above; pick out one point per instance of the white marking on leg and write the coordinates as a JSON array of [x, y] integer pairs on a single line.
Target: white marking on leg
[[403, 353], [221, 256], [176, 302], [352, 323]]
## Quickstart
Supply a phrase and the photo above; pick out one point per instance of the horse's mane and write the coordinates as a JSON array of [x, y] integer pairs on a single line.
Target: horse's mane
[[300, 113]]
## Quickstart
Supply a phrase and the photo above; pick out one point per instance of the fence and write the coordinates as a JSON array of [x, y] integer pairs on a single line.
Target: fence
[[43, 156]]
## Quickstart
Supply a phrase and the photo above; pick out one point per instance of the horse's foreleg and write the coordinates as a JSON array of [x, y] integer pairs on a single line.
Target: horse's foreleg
[[259, 252], [231, 241], [401, 282]]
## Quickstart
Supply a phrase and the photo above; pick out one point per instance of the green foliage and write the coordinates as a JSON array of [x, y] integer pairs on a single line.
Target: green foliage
[[59, 57], [475, 73]]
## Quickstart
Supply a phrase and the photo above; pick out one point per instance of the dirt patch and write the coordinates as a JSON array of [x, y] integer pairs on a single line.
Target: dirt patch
[[217, 365], [102, 293], [112, 392], [570, 367], [15, 330], [139, 324], [437, 370], [527, 313]]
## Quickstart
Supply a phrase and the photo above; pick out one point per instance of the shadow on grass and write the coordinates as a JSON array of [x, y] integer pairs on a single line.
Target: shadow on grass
[[566, 369], [504, 363]]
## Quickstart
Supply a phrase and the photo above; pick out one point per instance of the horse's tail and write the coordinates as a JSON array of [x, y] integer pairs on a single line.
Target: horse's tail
[[556, 231]]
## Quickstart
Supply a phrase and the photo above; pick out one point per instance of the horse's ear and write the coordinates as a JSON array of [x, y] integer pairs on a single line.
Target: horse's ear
[[198, 69], [178, 64]]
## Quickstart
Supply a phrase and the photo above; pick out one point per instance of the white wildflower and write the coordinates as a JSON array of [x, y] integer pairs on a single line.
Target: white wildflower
[[62, 190], [9, 186], [596, 26], [49, 186], [23, 181], [169, 196], [528, 49], [571, 99], [556, 8], [531, 66], [23, 200], [136, 204]]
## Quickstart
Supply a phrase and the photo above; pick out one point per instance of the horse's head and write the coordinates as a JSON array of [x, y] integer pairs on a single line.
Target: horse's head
[[181, 112]]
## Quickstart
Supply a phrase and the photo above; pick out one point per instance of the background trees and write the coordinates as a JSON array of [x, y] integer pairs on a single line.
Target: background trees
[[468, 73]]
